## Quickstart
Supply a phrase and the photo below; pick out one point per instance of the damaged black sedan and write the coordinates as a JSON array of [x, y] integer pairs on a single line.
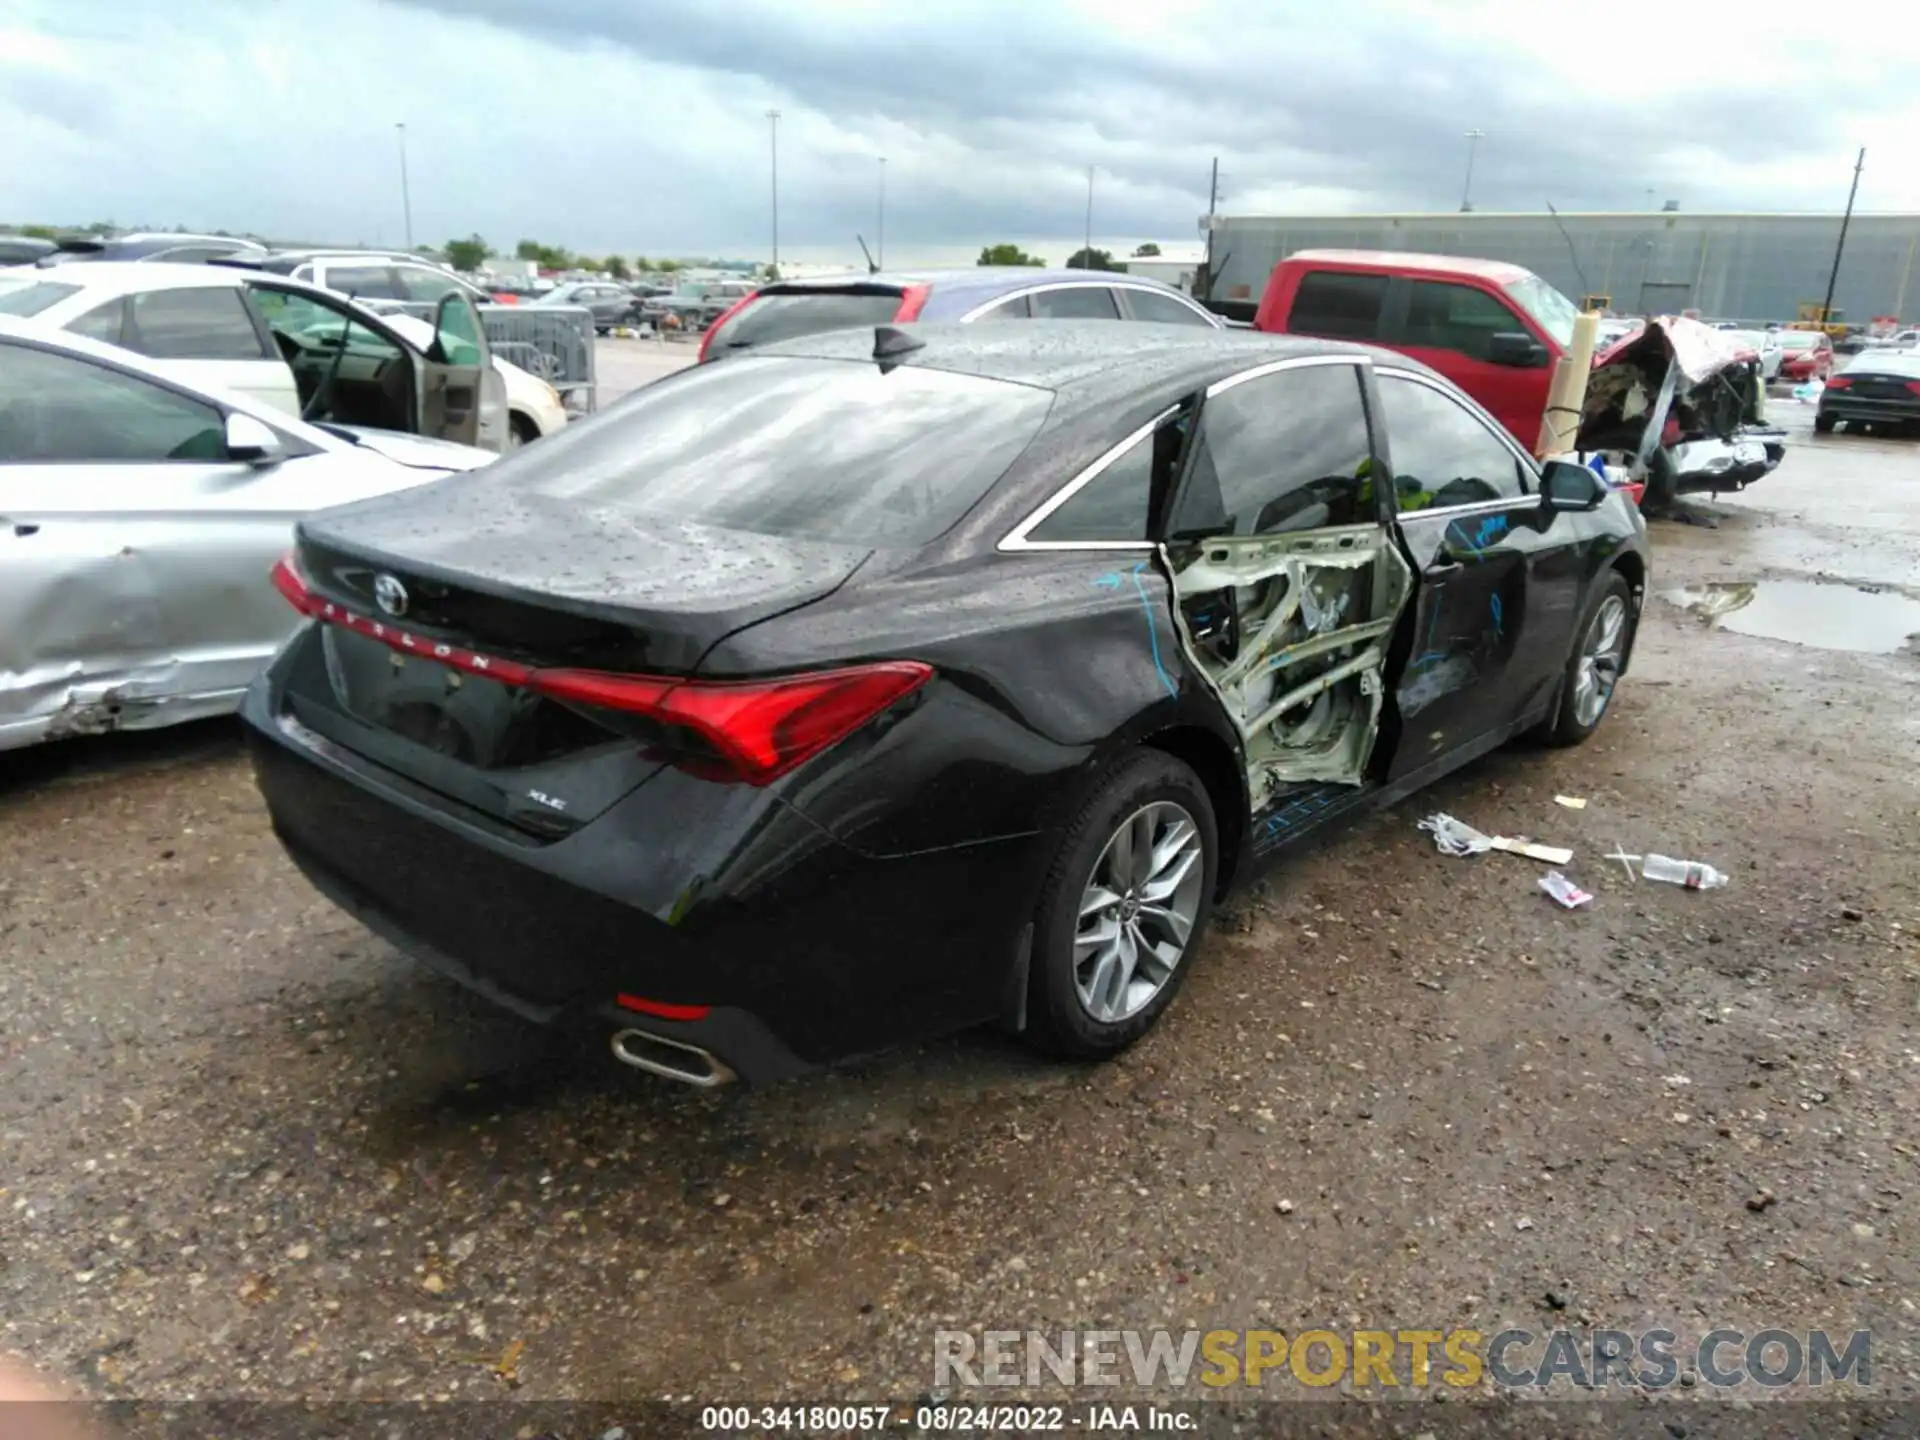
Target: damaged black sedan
[[888, 682]]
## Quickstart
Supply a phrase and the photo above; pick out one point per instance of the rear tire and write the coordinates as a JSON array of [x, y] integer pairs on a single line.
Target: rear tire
[[1600, 649], [1124, 908], [1823, 424]]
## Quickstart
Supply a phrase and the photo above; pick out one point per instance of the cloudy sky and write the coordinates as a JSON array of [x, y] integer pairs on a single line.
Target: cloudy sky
[[640, 125]]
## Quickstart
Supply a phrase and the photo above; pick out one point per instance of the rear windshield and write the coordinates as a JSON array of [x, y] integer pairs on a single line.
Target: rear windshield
[[787, 317], [815, 449], [30, 297]]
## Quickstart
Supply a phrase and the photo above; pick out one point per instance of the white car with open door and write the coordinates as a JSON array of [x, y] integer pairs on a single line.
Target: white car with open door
[[140, 517], [275, 338]]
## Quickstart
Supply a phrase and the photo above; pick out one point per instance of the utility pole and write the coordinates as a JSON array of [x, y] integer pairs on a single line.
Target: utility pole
[[1087, 254], [773, 151], [406, 199], [1826, 310], [1474, 137], [880, 225], [1213, 205]]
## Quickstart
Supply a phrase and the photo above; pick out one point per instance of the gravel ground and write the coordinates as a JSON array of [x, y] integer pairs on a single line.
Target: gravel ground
[[251, 1151]]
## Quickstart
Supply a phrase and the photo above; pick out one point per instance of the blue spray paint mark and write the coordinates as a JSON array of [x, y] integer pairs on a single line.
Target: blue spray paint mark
[[1498, 624], [1109, 581], [1153, 632], [1490, 529]]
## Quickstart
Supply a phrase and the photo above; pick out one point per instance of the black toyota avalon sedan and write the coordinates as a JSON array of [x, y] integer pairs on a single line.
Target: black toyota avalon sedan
[[885, 682]]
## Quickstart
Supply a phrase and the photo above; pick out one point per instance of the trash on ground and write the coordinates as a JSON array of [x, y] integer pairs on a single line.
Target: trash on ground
[[1569, 895], [1810, 392], [1572, 802], [1626, 860], [1693, 874], [1456, 837]]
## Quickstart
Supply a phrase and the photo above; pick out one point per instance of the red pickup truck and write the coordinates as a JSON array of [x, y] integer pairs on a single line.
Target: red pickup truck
[[1672, 402], [1493, 329]]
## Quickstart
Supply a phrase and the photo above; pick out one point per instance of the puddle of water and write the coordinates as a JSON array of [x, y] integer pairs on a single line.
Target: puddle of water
[[1832, 617]]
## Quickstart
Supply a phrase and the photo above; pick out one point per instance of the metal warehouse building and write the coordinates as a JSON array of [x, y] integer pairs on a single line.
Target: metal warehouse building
[[1747, 267]]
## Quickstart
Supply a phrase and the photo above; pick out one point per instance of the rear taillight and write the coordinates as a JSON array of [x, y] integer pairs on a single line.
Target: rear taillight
[[757, 730], [751, 730], [1914, 386], [706, 341], [1839, 382], [291, 584], [912, 300]]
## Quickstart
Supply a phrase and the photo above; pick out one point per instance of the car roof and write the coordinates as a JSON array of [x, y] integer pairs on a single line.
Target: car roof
[[1083, 361], [131, 277], [988, 279], [1893, 362], [1498, 271]]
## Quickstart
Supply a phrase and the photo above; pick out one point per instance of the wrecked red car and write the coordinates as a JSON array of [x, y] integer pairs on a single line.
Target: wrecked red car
[[1498, 331]]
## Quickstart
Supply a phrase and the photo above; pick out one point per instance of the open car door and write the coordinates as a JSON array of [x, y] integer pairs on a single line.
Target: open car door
[[1287, 584], [462, 397]]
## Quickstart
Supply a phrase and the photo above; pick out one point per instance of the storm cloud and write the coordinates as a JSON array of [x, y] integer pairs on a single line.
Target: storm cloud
[[642, 127]]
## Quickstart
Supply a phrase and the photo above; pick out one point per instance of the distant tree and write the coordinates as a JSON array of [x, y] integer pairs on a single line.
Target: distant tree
[[640, 262], [547, 257], [1091, 260], [666, 267], [468, 254], [770, 272], [41, 232], [616, 268], [1007, 254], [586, 263], [1147, 249], [528, 250]]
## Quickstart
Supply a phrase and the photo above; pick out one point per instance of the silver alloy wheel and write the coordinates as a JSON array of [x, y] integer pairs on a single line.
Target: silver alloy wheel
[[1138, 911], [1600, 661]]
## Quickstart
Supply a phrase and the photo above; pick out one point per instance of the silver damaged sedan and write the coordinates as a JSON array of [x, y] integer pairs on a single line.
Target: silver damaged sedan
[[139, 520]]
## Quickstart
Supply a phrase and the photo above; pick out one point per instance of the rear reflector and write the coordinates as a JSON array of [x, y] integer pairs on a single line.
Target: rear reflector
[[1914, 386], [1840, 382], [706, 341], [642, 1006], [751, 730], [912, 300]]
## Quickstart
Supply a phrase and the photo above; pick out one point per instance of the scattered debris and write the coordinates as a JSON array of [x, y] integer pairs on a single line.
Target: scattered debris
[[1853, 912], [1555, 1300], [1455, 837], [1523, 1223], [1626, 860], [1692, 874], [1760, 1200], [1572, 802], [1568, 895], [1283, 1207]]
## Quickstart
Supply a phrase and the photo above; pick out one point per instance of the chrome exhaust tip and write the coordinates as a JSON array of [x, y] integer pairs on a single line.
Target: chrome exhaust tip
[[670, 1059]]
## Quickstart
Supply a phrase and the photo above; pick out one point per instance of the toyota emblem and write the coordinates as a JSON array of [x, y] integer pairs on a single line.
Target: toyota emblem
[[390, 595]]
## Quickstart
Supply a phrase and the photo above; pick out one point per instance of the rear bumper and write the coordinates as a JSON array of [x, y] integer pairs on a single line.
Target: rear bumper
[[802, 950], [1844, 406]]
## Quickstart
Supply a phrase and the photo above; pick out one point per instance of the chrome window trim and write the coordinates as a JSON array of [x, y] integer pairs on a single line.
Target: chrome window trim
[[1016, 541], [1118, 283], [1494, 427], [1041, 289]]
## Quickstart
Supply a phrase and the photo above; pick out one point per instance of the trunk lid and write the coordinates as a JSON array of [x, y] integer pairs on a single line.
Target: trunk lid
[[437, 613]]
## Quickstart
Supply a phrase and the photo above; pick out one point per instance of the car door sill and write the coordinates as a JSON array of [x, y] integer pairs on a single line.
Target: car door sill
[[1308, 813]]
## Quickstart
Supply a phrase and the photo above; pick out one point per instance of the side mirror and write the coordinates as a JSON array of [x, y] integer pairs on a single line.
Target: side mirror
[[1567, 486], [253, 442], [1516, 348]]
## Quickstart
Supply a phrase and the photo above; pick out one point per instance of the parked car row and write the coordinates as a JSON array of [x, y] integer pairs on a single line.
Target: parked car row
[[277, 339]]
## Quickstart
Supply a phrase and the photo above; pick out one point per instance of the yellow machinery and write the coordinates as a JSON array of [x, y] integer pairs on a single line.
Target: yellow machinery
[[1811, 315]]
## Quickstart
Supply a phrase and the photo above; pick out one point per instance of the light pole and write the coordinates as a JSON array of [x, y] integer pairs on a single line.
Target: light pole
[[773, 150], [1086, 255], [406, 200], [1474, 137], [880, 223]]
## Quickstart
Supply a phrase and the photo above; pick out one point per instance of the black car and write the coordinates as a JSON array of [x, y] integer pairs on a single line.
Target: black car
[[23, 249], [1877, 388], [880, 683]]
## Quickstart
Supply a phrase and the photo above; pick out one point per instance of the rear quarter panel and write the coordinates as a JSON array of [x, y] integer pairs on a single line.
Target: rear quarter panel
[[1049, 663]]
